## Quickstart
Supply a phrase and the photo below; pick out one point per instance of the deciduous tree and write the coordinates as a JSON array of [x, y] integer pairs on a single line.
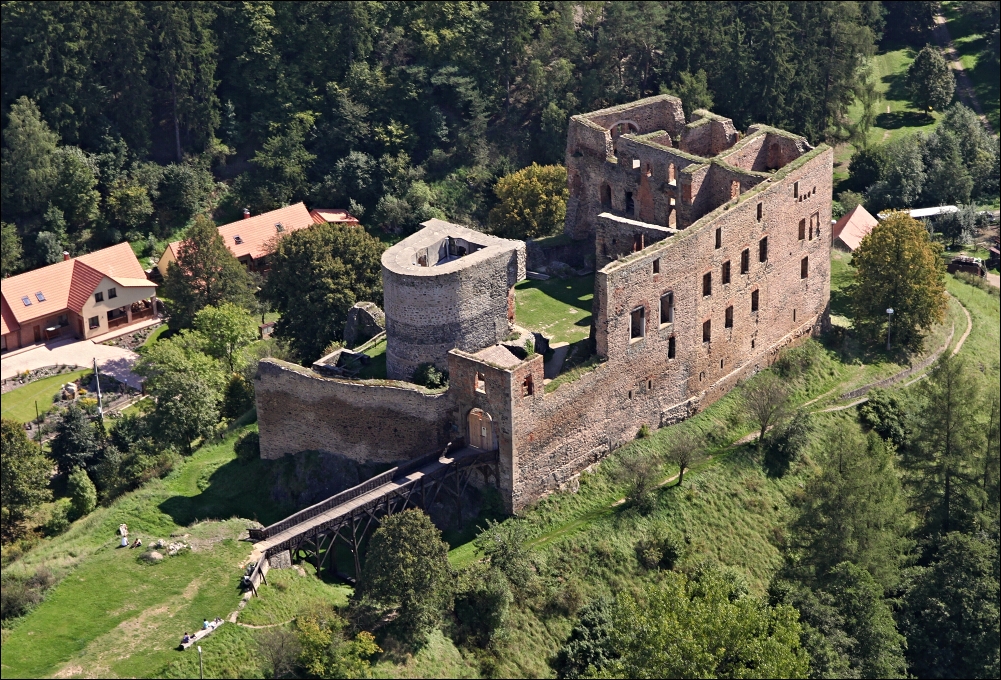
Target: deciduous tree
[[205, 273], [24, 478], [76, 441], [227, 329], [532, 202], [930, 80], [317, 275], [898, 266], [766, 400], [407, 568]]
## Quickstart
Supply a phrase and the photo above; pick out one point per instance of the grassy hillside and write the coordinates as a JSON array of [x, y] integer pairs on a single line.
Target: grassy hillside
[[971, 43], [113, 616]]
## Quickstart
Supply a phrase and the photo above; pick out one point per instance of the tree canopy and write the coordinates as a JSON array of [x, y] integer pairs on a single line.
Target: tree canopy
[[532, 202], [24, 478]]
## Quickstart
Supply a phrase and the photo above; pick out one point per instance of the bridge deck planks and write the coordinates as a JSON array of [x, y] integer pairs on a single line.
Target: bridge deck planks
[[347, 508]]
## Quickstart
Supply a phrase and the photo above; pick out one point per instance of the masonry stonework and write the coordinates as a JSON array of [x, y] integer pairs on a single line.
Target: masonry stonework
[[713, 253]]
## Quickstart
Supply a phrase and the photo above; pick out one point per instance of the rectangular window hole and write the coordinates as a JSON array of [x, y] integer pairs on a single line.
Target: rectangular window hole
[[707, 284], [719, 237], [754, 300], [656, 266], [667, 308], [763, 249], [761, 210], [726, 272], [671, 347], [707, 330], [728, 321], [804, 267], [637, 323], [745, 261]]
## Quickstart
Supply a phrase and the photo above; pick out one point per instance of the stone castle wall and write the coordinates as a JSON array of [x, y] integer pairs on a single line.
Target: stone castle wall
[[298, 410]]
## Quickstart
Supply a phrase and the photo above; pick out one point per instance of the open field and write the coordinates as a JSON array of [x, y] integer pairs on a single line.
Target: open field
[[558, 308], [19, 404]]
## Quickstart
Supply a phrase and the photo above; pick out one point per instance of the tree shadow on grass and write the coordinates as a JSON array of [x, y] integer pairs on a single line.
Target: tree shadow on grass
[[902, 119], [571, 291], [232, 490]]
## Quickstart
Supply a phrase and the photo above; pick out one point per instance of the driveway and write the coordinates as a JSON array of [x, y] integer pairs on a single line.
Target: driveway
[[113, 361]]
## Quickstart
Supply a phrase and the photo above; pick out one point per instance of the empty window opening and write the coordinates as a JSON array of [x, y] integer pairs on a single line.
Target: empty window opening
[[795, 189], [719, 237], [802, 229], [638, 242], [637, 323], [707, 284], [721, 363], [636, 164], [760, 211], [726, 272], [527, 388], [670, 172], [804, 267], [794, 315], [630, 204], [630, 394], [763, 250], [112, 293], [481, 383], [671, 345], [667, 308], [94, 322], [754, 300], [649, 384], [40, 297], [728, 321], [98, 297], [656, 266], [745, 261], [752, 343], [672, 215], [702, 376], [734, 189], [707, 330], [649, 171], [606, 197]]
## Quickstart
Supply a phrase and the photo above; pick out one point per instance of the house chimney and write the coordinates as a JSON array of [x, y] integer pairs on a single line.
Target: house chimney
[[246, 213], [66, 255]]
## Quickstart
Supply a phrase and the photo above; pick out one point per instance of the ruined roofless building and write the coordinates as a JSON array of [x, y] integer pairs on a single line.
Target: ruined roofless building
[[712, 251]]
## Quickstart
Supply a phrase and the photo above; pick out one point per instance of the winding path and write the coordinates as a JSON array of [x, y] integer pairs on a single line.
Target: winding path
[[964, 87]]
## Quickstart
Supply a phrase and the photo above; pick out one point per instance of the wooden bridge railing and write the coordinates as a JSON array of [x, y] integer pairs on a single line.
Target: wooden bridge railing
[[350, 494]]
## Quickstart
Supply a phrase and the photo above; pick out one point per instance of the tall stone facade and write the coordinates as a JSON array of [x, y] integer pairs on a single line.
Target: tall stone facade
[[705, 271]]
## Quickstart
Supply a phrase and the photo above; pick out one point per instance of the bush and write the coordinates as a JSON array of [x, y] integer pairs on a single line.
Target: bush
[[430, 377], [82, 493], [19, 595], [59, 520], [481, 606], [884, 415], [797, 361], [661, 549], [239, 397], [248, 447]]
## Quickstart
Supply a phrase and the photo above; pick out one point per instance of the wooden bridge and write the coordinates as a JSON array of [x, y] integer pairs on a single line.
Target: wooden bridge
[[351, 514]]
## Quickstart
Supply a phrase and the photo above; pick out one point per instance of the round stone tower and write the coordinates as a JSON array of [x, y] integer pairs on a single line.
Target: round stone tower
[[447, 287]]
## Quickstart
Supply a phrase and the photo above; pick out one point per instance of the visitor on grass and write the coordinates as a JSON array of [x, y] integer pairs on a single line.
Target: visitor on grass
[[205, 624]]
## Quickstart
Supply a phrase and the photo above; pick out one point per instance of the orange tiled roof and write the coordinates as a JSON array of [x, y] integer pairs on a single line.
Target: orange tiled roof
[[67, 284], [335, 215], [258, 231], [854, 226]]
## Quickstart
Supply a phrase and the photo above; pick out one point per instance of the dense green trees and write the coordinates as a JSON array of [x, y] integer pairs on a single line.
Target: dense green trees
[[317, 275], [77, 440], [702, 627], [532, 202], [24, 478]]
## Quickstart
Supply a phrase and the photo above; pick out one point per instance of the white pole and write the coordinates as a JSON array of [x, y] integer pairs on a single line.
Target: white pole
[[201, 669], [100, 402]]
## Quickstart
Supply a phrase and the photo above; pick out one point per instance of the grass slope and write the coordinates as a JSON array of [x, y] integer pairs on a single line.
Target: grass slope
[[971, 44], [111, 612], [19, 404]]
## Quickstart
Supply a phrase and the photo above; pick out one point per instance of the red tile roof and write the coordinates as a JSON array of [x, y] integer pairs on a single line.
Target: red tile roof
[[257, 232], [67, 284], [854, 226]]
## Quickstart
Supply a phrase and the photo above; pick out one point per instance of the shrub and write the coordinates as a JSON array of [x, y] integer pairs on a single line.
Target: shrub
[[429, 376], [82, 493], [787, 444], [660, 549], [884, 415], [248, 447], [59, 520], [239, 397]]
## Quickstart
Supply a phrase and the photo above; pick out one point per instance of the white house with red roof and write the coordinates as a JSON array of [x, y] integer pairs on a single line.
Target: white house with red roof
[[82, 296]]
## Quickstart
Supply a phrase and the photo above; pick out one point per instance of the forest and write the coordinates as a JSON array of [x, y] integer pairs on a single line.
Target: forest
[[124, 120]]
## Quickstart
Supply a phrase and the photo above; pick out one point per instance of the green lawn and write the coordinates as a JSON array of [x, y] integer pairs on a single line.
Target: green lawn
[[113, 616], [287, 593], [376, 369], [558, 308], [971, 42], [19, 404]]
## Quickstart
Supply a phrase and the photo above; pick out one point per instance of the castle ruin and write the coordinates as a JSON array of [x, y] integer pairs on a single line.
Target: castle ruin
[[712, 251]]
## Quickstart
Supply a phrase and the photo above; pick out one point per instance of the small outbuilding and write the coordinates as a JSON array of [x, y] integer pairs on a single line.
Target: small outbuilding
[[853, 226]]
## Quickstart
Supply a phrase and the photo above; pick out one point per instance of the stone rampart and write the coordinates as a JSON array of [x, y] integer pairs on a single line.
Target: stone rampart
[[365, 421]]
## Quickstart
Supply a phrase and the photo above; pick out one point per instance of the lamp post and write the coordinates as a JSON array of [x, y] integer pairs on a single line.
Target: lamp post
[[201, 669], [889, 320]]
